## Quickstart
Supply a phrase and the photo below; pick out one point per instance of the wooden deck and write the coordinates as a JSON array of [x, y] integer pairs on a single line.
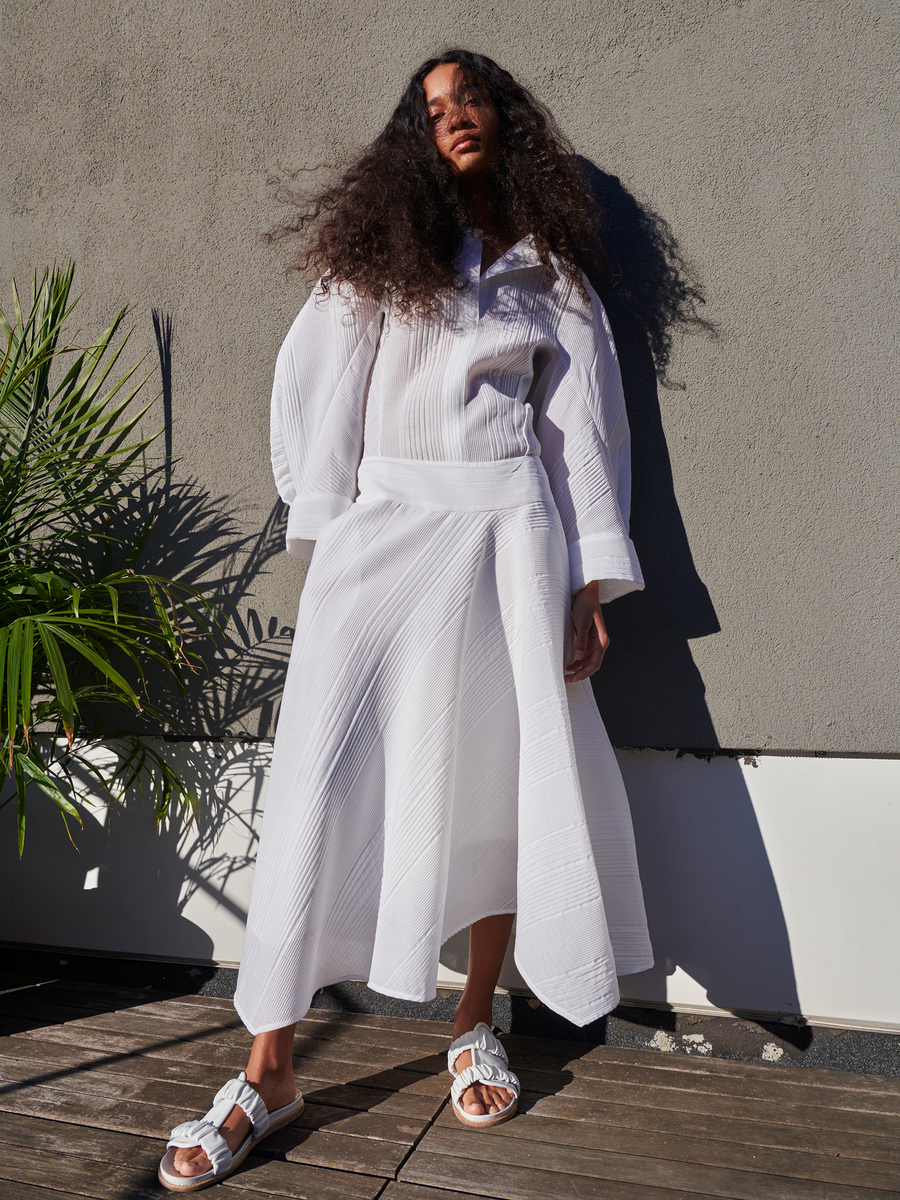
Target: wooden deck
[[93, 1078]]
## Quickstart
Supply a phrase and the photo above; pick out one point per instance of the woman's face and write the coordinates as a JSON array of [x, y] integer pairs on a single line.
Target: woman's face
[[467, 133]]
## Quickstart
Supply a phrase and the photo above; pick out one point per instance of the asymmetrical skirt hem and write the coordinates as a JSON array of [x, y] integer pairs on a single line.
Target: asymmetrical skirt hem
[[421, 782]]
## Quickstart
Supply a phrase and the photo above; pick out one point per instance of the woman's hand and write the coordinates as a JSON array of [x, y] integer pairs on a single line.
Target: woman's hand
[[590, 636]]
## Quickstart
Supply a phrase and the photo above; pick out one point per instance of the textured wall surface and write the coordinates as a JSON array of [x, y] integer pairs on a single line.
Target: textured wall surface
[[137, 139]]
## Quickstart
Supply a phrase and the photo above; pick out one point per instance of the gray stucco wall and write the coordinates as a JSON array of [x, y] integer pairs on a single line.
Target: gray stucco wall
[[137, 139]]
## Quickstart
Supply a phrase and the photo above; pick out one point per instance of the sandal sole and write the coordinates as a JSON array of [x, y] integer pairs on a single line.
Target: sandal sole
[[496, 1118]]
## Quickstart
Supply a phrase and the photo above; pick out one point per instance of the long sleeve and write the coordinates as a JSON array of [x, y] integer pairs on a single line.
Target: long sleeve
[[318, 410], [582, 427]]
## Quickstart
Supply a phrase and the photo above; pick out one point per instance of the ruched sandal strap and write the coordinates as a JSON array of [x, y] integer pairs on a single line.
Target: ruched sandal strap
[[205, 1135], [205, 1132], [238, 1091], [478, 1039], [484, 1072]]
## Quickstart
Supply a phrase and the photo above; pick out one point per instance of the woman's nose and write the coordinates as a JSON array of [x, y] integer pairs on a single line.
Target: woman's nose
[[460, 118]]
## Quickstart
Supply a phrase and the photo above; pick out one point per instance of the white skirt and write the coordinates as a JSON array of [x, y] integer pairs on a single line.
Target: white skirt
[[431, 766]]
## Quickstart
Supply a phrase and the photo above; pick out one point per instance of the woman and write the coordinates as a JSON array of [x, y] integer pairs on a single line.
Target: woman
[[440, 761]]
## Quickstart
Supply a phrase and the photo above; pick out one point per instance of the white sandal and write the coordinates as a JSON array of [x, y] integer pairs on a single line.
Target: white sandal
[[205, 1134], [489, 1065]]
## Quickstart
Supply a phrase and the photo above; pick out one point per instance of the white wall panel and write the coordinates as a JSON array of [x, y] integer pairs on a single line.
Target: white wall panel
[[770, 888]]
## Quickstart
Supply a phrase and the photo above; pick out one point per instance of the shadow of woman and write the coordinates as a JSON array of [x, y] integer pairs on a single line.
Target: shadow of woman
[[712, 900], [650, 691]]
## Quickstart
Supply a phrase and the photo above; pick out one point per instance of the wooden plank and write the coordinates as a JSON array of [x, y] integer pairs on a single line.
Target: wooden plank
[[395, 1039], [750, 1087], [376, 1100], [222, 1027], [103, 1181], [411, 1191], [99, 1112], [411, 1041], [686, 1144], [565, 1103], [327, 1016], [660, 1060], [196, 998], [474, 1177], [81, 1176], [150, 1107], [632, 1169], [652, 1123], [360, 1155], [54, 1060], [18, 1076], [228, 1031], [10, 981], [16, 1025], [297, 1180], [33, 1006], [233, 1059], [61, 995], [92, 987], [185, 1020], [25, 1191], [771, 1082], [357, 1124], [406, 1081], [123, 1149]]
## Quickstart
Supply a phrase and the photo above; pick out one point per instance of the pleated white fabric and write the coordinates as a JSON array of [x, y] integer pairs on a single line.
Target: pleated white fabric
[[431, 766]]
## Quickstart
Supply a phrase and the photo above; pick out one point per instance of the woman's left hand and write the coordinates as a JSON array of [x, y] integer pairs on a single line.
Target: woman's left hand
[[590, 636]]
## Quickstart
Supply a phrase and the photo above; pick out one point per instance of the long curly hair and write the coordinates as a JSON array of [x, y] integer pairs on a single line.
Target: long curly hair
[[392, 225]]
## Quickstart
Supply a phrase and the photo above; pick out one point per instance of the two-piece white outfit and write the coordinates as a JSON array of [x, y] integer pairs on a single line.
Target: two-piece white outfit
[[460, 478]]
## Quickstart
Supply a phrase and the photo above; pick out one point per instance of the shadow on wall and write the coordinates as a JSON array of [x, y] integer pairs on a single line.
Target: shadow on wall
[[712, 901], [197, 540], [649, 691], [119, 887]]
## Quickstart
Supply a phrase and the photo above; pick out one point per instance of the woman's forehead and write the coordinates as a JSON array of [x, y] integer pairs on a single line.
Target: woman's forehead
[[441, 82]]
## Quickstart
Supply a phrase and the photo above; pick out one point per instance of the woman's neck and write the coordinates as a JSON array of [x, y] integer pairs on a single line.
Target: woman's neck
[[477, 198], [495, 241]]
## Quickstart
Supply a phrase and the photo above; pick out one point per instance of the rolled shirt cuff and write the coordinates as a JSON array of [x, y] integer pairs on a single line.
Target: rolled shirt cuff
[[611, 560], [301, 548], [308, 516]]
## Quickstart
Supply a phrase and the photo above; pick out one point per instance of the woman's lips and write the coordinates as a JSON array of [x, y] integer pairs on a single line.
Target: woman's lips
[[466, 143]]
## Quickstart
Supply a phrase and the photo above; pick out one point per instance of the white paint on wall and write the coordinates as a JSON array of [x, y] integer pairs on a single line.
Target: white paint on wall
[[769, 888]]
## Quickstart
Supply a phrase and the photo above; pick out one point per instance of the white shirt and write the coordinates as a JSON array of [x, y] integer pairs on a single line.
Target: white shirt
[[513, 367]]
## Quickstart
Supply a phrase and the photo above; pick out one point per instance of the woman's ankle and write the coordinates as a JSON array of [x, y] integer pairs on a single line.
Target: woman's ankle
[[469, 1015]]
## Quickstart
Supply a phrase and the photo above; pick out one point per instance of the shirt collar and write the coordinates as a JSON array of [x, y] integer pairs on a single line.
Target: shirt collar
[[519, 257]]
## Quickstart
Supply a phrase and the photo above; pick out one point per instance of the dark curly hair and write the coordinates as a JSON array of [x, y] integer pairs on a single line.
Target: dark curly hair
[[393, 224]]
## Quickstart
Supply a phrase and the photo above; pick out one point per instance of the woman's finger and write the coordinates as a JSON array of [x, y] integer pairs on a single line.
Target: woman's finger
[[581, 630]]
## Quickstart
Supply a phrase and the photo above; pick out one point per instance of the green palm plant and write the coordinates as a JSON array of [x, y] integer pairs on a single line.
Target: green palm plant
[[79, 623]]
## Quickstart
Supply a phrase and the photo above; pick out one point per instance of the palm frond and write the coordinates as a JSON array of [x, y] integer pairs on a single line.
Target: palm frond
[[80, 624]]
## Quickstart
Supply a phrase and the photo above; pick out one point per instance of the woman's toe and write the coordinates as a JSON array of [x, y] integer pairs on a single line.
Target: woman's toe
[[191, 1161]]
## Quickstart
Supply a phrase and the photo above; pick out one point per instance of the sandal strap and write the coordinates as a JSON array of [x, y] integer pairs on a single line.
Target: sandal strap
[[205, 1132], [205, 1135], [478, 1039], [484, 1071], [238, 1091]]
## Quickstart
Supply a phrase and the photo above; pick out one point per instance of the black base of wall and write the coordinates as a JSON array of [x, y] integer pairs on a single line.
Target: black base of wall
[[783, 1043]]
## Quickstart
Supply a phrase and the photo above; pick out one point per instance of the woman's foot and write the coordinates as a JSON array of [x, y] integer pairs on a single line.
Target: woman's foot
[[478, 1099], [275, 1089]]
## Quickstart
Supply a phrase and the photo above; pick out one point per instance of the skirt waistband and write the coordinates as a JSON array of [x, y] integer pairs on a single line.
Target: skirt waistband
[[468, 487]]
